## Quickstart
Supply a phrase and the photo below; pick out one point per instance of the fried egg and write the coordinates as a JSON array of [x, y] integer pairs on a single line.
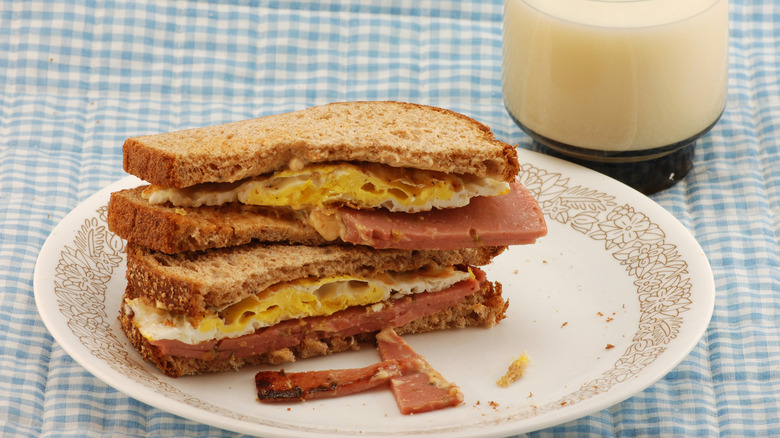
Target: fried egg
[[321, 185], [290, 300]]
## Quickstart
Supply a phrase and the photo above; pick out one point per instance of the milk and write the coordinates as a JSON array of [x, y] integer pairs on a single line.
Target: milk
[[615, 75]]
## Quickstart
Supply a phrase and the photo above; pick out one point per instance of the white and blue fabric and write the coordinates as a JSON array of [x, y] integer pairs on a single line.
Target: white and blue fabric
[[79, 77]]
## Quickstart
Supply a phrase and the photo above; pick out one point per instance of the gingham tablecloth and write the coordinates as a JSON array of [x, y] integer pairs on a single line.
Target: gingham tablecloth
[[77, 78]]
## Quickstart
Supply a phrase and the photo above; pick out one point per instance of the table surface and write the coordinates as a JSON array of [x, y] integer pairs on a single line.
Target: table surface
[[77, 79]]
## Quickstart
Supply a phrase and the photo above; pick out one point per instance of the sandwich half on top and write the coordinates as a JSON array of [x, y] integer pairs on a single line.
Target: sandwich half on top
[[305, 233], [381, 174]]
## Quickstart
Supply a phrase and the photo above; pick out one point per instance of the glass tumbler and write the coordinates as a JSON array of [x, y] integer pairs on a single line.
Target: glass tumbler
[[625, 87]]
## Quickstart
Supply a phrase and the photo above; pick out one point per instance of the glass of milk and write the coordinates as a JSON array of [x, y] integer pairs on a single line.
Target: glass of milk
[[622, 86]]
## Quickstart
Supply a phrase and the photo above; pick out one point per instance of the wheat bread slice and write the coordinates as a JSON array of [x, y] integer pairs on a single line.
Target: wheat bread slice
[[178, 229], [483, 308], [190, 283], [394, 133]]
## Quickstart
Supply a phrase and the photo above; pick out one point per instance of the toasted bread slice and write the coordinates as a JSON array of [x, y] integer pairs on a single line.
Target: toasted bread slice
[[189, 283], [484, 308], [394, 133], [172, 229]]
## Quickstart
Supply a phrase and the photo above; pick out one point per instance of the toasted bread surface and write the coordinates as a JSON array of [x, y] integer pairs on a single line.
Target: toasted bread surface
[[172, 229], [484, 308], [189, 283], [394, 133]]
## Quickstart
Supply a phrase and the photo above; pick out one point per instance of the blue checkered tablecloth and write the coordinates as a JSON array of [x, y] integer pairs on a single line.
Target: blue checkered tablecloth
[[77, 78]]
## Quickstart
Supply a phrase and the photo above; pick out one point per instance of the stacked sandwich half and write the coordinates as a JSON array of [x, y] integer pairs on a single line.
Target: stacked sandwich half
[[306, 233]]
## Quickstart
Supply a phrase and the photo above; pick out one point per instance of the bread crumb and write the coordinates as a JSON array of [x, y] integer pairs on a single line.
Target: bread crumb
[[515, 371], [609, 347]]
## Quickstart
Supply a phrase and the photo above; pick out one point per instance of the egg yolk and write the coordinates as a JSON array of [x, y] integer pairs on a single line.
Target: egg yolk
[[365, 186], [296, 299]]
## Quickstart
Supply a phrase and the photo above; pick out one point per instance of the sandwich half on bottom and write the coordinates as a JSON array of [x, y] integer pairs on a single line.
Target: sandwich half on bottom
[[218, 310]]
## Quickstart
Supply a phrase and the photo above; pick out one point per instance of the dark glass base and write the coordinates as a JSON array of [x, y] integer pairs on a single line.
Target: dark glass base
[[648, 171], [648, 176]]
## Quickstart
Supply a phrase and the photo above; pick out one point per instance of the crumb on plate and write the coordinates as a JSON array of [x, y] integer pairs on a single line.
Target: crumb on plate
[[515, 371]]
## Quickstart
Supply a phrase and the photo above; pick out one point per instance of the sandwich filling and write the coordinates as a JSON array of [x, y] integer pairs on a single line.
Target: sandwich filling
[[290, 300], [325, 186]]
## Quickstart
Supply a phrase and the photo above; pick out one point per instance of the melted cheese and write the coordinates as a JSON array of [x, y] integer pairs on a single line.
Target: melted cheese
[[328, 184], [284, 301]]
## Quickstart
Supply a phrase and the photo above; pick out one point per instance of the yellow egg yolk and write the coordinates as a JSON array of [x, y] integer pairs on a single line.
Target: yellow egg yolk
[[297, 299], [365, 186]]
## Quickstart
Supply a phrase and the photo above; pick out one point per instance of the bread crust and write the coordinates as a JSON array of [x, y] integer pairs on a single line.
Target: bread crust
[[172, 229], [484, 308], [189, 283], [395, 133]]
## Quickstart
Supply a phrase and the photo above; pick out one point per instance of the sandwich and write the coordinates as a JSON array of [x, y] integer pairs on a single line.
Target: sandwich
[[301, 234]]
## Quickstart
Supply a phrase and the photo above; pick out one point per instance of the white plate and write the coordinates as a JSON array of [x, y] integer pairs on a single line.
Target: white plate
[[611, 300]]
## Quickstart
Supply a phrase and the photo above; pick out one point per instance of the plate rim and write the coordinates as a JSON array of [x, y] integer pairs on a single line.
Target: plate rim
[[537, 179]]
